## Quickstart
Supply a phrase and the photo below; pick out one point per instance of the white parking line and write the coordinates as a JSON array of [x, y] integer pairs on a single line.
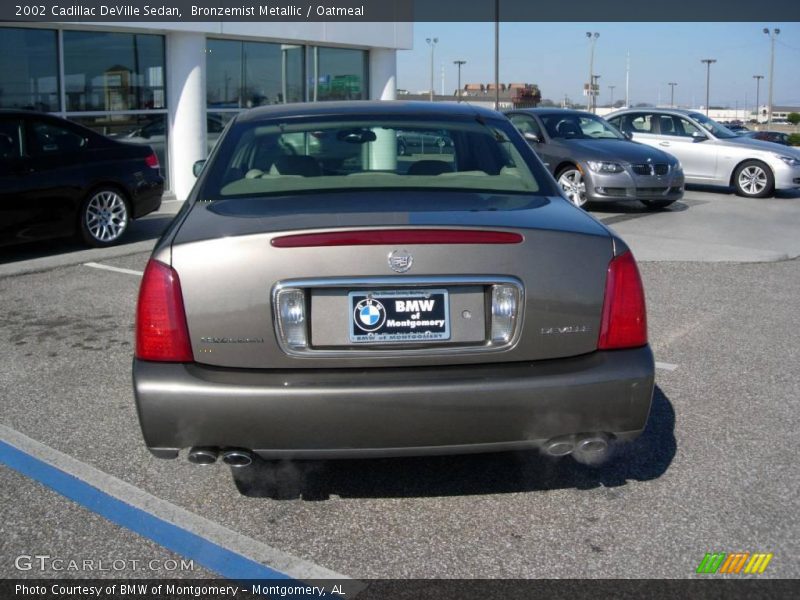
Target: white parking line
[[95, 265], [288, 564], [666, 366]]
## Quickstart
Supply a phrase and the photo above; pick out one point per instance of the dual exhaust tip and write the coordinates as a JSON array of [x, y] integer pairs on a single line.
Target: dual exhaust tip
[[588, 448], [591, 448], [233, 457]]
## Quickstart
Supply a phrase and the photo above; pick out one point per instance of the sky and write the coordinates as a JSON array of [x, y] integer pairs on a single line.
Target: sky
[[556, 57]]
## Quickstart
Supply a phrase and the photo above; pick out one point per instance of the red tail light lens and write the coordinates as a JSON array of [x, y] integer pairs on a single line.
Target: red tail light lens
[[161, 332], [624, 322], [152, 161]]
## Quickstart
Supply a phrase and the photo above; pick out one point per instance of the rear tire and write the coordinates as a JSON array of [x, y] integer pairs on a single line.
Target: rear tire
[[104, 217], [657, 204], [754, 179]]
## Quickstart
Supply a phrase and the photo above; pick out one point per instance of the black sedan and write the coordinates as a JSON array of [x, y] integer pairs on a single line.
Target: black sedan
[[58, 179]]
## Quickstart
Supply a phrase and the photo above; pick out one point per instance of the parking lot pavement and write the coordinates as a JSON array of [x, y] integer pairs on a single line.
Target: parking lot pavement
[[709, 226], [714, 470]]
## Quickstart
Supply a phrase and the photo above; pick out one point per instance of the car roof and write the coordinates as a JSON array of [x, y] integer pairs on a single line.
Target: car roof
[[358, 108], [550, 111], [653, 109]]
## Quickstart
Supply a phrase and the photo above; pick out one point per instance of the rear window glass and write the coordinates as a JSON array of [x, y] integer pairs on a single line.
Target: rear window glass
[[259, 159]]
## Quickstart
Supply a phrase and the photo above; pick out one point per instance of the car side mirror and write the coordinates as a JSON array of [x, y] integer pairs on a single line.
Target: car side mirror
[[197, 167], [699, 137], [627, 135], [532, 137]]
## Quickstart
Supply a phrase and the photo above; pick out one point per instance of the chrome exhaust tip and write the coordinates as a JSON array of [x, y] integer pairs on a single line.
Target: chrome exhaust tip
[[237, 457], [592, 449], [202, 455], [560, 446]]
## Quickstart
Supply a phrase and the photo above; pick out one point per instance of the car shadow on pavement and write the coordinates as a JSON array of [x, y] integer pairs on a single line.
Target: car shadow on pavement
[[717, 189], [149, 228], [644, 459], [635, 208]]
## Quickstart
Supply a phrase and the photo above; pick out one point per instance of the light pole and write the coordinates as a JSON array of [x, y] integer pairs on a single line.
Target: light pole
[[590, 92], [758, 79], [672, 85], [594, 97], [708, 62], [459, 63], [772, 35], [611, 104], [497, 54], [432, 43]]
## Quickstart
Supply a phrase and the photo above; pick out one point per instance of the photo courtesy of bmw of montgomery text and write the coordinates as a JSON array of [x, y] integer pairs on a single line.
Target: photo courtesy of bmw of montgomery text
[[313, 303]]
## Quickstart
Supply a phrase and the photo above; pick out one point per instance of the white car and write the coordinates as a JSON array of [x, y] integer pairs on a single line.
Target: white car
[[710, 153]]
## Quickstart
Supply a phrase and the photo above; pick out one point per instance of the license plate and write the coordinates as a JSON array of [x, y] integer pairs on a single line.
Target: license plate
[[399, 316]]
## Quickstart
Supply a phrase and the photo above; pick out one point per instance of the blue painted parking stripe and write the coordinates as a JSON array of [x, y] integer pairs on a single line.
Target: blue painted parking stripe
[[185, 543]]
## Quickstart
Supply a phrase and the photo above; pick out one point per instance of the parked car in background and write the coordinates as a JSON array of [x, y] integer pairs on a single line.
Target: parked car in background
[[737, 128], [58, 178], [712, 154], [457, 304], [153, 134], [776, 137], [593, 162]]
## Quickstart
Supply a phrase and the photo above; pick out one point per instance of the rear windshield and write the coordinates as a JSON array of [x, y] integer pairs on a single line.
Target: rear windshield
[[258, 159]]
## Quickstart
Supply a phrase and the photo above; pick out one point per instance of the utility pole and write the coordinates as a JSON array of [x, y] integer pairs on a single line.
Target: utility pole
[[758, 79], [672, 85], [772, 35], [459, 63], [432, 43], [442, 79], [611, 104], [708, 62], [590, 92]]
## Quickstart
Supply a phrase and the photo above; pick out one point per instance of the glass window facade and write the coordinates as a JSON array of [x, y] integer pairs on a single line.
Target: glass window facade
[[113, 71], [248, 74], [341, 74], [29, 69]]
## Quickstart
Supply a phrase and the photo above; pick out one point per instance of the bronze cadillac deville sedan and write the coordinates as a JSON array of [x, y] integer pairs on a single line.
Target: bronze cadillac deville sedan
[[322, 295]]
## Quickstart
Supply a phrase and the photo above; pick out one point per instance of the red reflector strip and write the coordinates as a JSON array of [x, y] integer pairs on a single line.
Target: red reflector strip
[[397, 236]]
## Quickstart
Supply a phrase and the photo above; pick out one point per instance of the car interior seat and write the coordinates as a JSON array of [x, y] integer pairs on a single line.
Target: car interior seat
[[7, 149], [568, 129], [305, 166], [429, 167]]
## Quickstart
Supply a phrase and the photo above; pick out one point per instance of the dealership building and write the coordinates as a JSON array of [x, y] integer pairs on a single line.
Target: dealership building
[[175, 85]]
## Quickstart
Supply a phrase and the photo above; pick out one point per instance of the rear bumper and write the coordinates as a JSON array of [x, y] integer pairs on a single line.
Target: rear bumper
[[392, 412]]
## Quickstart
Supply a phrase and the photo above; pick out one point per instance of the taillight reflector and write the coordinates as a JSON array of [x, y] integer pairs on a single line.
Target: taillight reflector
[[624, 323], [152, 161], [161, 332], [381, 237]]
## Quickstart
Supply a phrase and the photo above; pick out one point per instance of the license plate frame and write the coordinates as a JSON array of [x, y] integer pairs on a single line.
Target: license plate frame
[[417, 320]]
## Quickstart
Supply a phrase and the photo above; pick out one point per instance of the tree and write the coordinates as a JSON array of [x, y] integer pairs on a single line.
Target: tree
[[793, 118]]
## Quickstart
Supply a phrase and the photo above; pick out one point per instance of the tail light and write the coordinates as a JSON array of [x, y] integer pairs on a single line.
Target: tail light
[[152, 161], [624, 323], [505, 303], [161, 332], [291, 314]]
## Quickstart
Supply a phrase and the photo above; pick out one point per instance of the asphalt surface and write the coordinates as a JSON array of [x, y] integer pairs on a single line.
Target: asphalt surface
[[715, 470]]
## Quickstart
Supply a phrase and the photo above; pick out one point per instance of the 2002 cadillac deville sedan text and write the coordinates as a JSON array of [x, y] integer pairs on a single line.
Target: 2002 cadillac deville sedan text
[[320, 295]]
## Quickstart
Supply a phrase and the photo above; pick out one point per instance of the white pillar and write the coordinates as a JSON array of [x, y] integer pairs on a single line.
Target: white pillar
[[382, 74], [186, 98], [383, 86]]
